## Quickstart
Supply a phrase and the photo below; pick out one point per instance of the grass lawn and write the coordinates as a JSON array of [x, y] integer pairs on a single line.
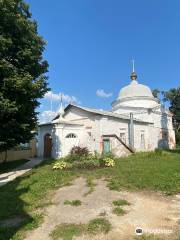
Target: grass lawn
[[22, 198], [8, 166]]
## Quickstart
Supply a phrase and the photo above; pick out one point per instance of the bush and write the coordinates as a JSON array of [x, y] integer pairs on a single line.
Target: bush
[[119, 211], [90, 164], [159, 151], [98, 225], [79, 151], [73, 158], [61, 165], [108, 155], [178, 138], [109, 162], [83, 162]]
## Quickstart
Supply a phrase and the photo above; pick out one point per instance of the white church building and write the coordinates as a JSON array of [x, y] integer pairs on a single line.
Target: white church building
[[136, 122]]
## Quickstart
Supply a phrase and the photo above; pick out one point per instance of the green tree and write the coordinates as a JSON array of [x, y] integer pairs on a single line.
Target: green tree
[[156, 92], [173, 96], [22, 73]]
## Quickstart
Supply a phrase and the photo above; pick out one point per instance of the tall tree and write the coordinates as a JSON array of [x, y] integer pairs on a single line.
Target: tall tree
[[156, 92], [22, 73], [173, 96]]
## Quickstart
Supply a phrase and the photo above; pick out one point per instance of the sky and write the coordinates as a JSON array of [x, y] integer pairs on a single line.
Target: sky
[[90, 45]]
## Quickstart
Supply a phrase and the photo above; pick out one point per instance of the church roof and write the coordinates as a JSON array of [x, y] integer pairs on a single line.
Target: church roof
[[135, 89], [102, 112]]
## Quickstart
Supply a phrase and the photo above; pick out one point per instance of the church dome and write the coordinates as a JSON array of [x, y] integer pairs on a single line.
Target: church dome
[[134, 89], [133, 97]]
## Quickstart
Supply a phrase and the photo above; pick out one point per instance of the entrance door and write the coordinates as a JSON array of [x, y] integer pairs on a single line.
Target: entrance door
[[106, 146], [47, 146]]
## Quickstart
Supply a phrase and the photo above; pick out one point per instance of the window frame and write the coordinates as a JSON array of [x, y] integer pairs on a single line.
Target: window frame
[[71, 135]]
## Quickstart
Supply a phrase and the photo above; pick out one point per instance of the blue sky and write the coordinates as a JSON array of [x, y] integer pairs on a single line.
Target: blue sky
[[90, 44]]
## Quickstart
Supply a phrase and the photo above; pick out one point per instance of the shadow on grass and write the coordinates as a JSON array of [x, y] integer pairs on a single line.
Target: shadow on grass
[[12, 208], [177, 150], [14, 215]]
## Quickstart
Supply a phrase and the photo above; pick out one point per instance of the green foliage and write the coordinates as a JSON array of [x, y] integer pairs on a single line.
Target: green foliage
[[108, 155], [178, 138], [61, 165], [120, 202], [22, 73], [109, 162], [158, 152], [98, 225], [119, 211], [147, 171], [79, 151], [156, 92], [90, 183], [83, 162], [173, 96], [30, 193], [90, 164], [147, 237], [72, 203], [67, 231]]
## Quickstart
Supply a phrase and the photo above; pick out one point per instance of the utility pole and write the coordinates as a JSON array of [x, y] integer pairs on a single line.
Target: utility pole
[[131, 135]]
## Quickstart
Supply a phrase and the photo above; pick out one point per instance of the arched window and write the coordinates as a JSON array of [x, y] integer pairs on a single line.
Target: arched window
[[71, 135]]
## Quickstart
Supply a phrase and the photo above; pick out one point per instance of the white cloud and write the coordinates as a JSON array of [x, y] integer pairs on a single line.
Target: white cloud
[[47, 116], [65, 97], [103, 94]]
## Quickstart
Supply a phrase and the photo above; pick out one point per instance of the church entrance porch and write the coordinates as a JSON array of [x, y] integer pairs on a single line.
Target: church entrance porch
[[47, 146]]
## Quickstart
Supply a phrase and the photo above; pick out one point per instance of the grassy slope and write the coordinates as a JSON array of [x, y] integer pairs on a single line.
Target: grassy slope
[[26, 194], [152, 171], [8, 166]]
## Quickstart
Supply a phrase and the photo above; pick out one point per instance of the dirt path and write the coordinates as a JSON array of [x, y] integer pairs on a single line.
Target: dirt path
[[147, 210]]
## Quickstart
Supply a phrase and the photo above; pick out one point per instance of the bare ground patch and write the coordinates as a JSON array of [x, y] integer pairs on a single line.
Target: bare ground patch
[[148, 210]]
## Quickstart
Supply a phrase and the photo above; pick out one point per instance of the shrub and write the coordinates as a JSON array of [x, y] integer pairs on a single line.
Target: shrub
[[77, 158], [109, 162], [108, 155], [98, 225], [90, 164], [61, 165], [73, 158], [119, 211], [178, 138], [120, 202], [158, 151], [80, 151], [72, 203]]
